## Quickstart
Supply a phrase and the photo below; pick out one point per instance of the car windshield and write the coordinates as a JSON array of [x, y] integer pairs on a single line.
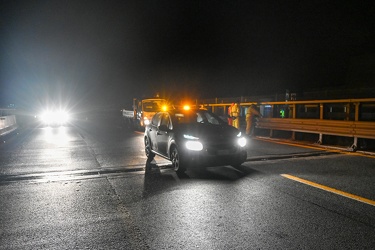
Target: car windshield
[[152, 106], [198, 117]]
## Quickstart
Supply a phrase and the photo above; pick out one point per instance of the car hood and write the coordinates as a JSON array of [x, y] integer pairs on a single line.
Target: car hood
[[209, 132]]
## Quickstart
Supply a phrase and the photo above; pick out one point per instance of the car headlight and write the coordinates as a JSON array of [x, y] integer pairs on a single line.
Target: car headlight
[[242, 141], [193, 143], [146, 121], [56, 117], [62, 117], [190, 137], [46, 117]]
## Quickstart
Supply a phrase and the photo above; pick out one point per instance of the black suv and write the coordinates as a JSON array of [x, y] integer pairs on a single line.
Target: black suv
[[194, 136]]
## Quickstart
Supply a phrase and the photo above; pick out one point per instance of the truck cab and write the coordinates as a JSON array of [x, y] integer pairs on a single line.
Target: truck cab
[[142, 112], [146, 109]]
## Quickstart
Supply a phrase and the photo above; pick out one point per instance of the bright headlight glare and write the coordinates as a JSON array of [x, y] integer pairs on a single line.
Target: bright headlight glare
[[239, 134], [146, 121], [194, 145], [62, 117], [58, 117], [190, 137], [46, 117], [242, 141]]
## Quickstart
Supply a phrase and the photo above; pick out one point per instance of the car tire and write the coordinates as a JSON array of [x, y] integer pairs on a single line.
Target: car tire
[[177, 163], [150, 155], [236, 165]]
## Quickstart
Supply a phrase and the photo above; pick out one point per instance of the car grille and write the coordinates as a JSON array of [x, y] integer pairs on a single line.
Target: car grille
[[221, 149]]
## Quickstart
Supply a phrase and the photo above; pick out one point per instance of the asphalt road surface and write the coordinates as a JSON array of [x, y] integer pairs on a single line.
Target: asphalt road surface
[[86, 187]]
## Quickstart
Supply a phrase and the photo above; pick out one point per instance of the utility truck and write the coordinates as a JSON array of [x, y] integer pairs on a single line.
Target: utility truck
[[142, 112]]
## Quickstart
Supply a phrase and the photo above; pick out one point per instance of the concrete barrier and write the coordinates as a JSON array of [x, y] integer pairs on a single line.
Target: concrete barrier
[[7, 124]]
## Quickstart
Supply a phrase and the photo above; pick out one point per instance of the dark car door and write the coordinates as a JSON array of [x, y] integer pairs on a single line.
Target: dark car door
[[162, 135], [152, 130]]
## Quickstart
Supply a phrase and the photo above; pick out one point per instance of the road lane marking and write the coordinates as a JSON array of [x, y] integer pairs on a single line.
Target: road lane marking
[[329, 189]]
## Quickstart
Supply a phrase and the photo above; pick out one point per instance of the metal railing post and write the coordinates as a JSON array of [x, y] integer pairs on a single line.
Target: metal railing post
[[356, 114], [321, 116], [347, 112], [356, 118], [293, 117], [272, 110]]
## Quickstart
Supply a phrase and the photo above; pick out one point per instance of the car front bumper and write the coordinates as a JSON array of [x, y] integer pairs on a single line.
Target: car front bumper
[[214, 157]]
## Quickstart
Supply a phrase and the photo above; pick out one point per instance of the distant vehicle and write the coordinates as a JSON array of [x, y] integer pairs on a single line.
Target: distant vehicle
[[143, 111], [54, 117], [194, 136]]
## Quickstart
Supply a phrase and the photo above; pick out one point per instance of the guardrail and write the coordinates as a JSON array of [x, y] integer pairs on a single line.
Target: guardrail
[[344, 117], [7, 121], [339, 128]]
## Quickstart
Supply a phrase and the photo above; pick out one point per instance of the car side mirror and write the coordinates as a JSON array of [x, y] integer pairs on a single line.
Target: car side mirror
[[163, 127]]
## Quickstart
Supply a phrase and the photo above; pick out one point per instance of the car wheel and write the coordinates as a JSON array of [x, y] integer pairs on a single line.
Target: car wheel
[[236, 165], [148, 152], [176, 161]]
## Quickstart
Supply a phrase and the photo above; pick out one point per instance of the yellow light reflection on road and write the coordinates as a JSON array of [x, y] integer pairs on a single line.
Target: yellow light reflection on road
[[329, 189]]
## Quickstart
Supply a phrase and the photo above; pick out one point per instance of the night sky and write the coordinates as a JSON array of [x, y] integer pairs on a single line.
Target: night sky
[[107, 52]]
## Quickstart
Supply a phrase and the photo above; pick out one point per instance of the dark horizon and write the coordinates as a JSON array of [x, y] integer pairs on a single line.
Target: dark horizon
[[104, 52]]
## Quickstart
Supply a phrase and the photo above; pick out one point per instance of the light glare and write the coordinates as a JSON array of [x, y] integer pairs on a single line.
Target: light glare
[[190, 137], [55, 117], [242, 141], [146, 121], [194, 145]]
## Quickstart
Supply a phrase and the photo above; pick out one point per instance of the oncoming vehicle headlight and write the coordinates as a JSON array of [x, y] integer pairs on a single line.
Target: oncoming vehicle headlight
[[190, 137], [55, 117], [46, 117], [242, 141], [193, 143], [62, 117], [146, 121]]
